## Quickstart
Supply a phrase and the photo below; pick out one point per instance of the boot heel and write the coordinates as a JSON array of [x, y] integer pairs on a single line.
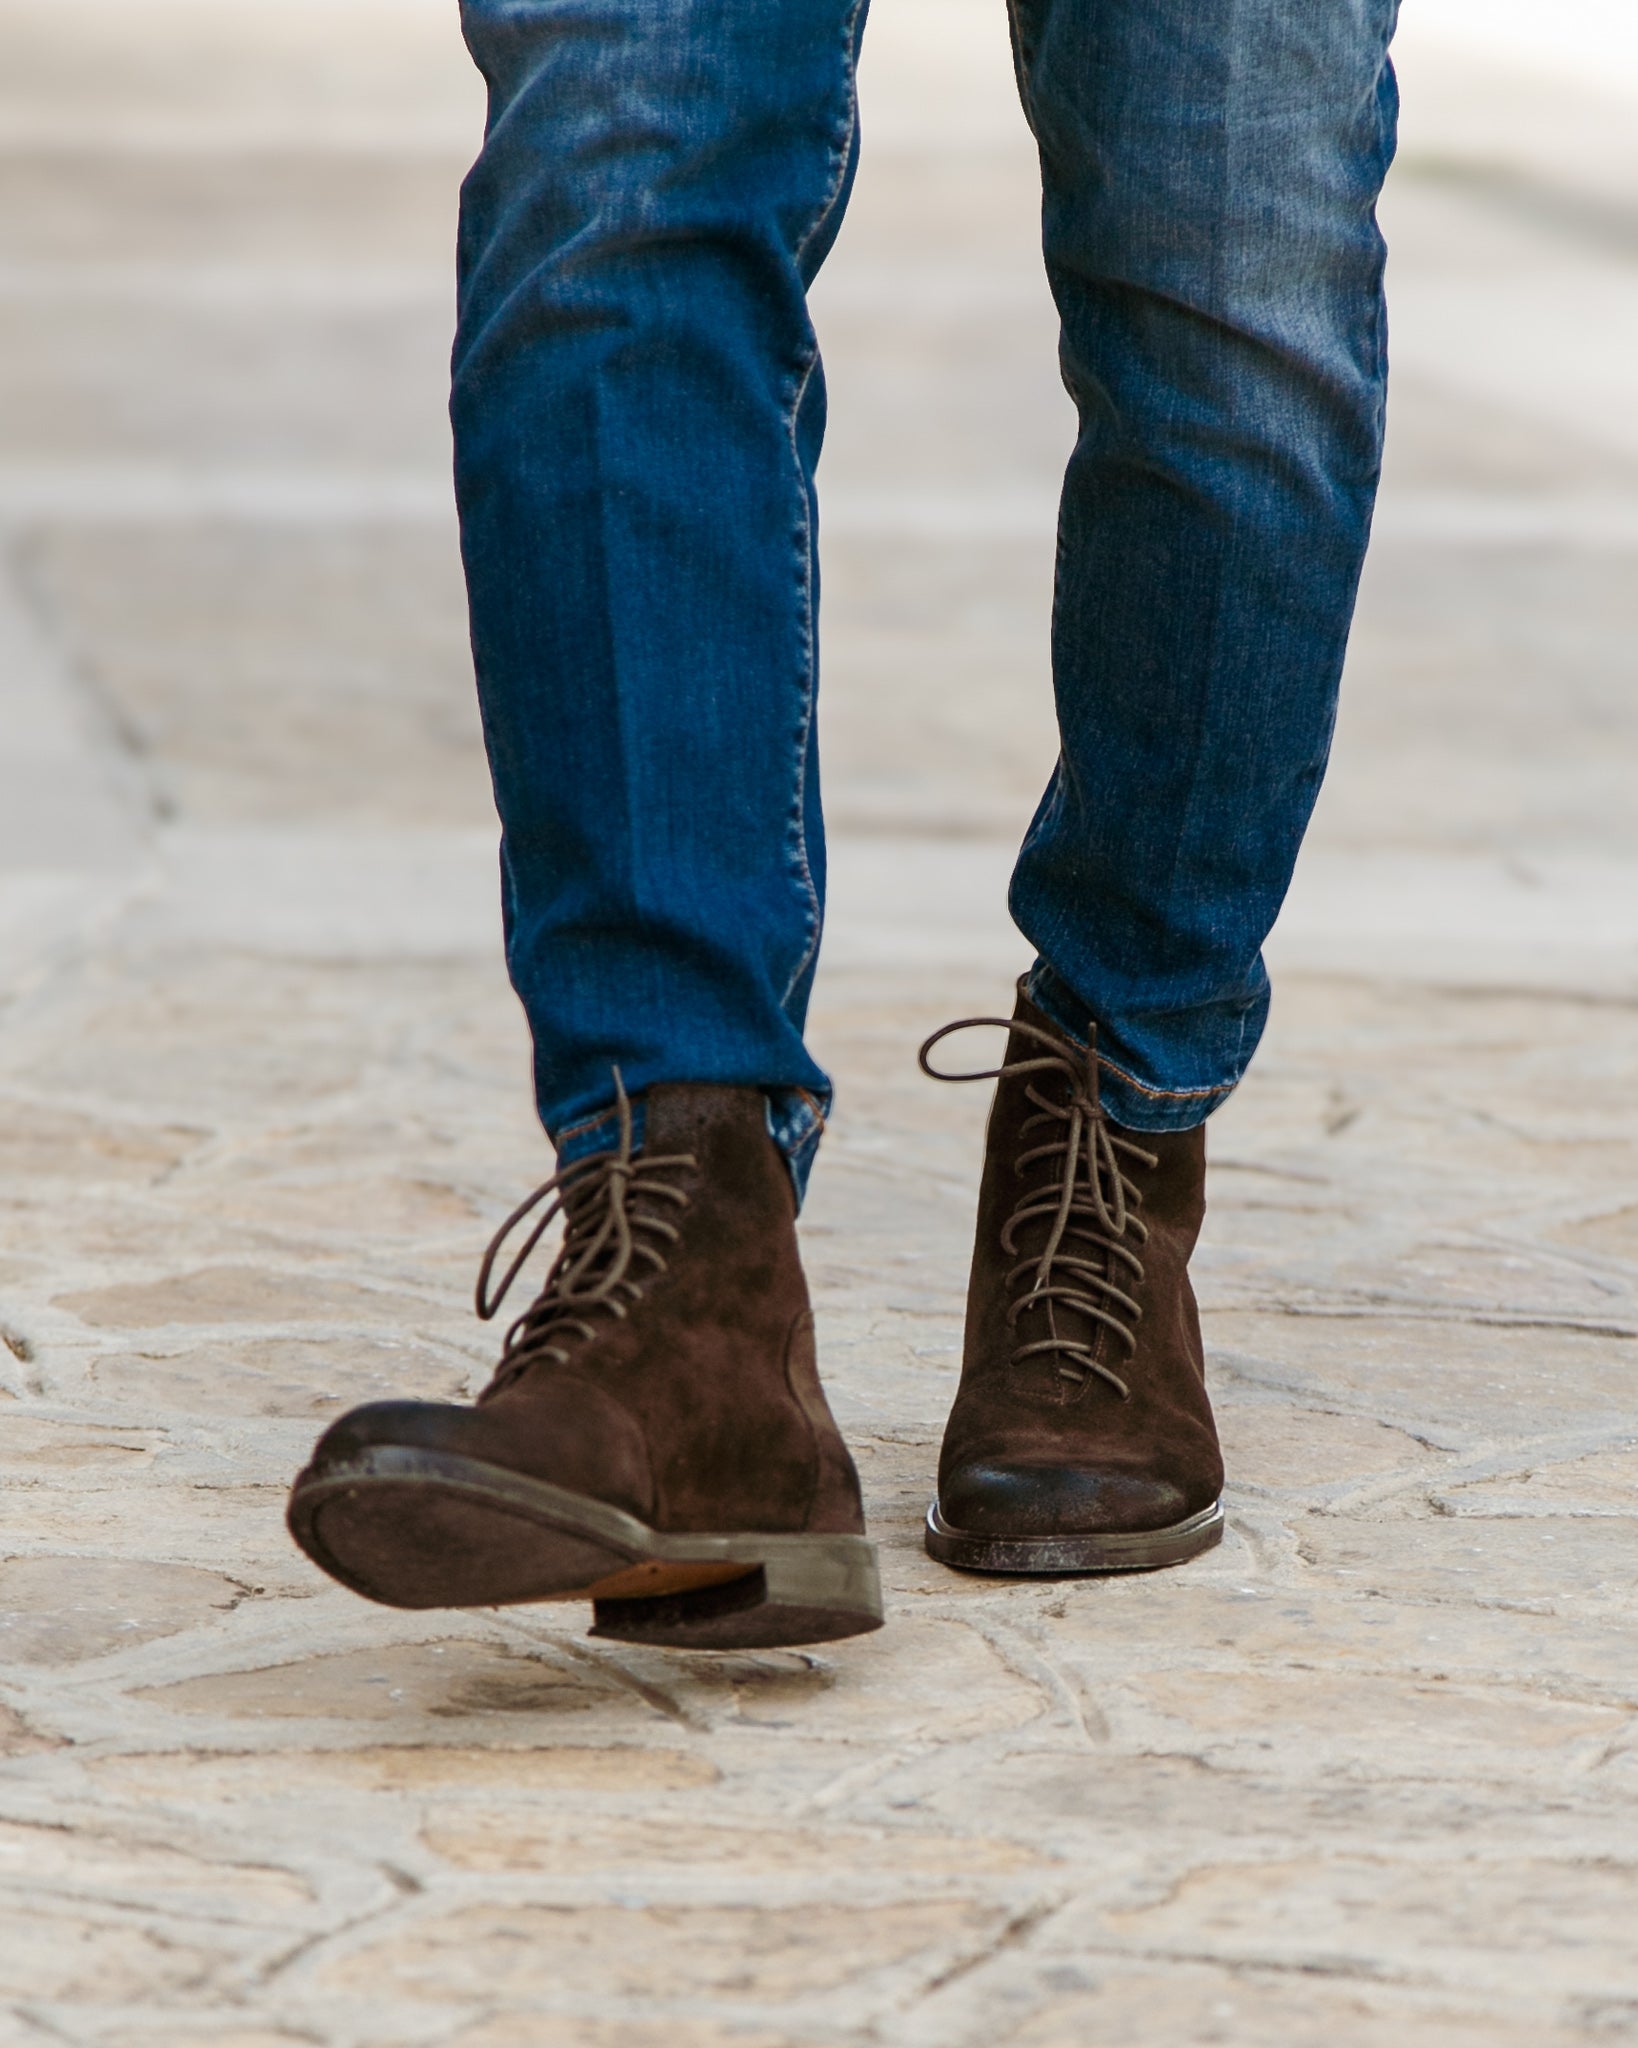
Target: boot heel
[[807, 1589]]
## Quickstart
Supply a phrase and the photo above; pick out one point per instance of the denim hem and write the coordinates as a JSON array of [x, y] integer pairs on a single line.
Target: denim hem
[[1134, 1104], [796, 1123]]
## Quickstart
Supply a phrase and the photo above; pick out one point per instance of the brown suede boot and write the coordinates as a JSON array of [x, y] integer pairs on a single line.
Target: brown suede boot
[[1081, 1439], [655, 1438]]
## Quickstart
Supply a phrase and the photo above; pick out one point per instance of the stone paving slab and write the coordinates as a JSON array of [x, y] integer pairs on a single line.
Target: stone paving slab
[[1368, 1775]]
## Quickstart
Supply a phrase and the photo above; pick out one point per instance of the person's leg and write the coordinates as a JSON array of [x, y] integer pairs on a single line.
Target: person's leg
[[637, 410], [638, 406], [1210, 170]]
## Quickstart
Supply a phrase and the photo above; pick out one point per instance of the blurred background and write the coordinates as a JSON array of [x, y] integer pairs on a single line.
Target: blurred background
[[263, 1093]]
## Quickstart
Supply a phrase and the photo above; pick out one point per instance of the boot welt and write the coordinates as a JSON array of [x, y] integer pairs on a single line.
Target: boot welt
[[1113, 1550], [421, 1528]]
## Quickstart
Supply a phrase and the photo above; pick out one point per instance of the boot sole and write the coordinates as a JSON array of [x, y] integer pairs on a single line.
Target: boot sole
[[1122, 1550], [416, 1528]]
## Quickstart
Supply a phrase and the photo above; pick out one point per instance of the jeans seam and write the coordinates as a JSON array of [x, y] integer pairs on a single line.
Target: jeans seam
[[1167, 1094], [797, 836], [796, 831], [1023, 58], [841, 148], [815, 1106], [587, 1123]]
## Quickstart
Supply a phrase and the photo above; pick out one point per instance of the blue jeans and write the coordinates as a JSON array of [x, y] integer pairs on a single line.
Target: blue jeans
[[638, 408]]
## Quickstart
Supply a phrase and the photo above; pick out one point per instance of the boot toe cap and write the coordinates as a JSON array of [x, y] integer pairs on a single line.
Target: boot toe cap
[[415, 1425], [996, 1498], [570, 1432]]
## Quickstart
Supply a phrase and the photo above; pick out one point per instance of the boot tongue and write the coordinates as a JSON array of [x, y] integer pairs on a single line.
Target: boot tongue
[[686, 1116], [1027, 1012], [1046, 1371], [1019, 1047]]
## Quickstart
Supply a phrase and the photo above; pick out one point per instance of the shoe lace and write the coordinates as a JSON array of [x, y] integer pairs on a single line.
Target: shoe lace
[[1094, 1235], [614, 1239]]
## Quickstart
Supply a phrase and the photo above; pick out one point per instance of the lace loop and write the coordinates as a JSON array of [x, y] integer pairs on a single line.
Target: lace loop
[[1090, 1205], [605, 1258]]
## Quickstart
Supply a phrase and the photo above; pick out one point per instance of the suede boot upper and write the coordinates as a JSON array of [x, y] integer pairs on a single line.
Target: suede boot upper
[[1082, 1405], [688, 1395]]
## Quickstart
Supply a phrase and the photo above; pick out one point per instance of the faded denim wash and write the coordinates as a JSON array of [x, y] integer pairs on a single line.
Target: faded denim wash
[[638, 407]]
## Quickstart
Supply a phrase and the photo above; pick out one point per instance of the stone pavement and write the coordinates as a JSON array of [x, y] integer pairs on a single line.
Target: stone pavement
[[1368, 1775]]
